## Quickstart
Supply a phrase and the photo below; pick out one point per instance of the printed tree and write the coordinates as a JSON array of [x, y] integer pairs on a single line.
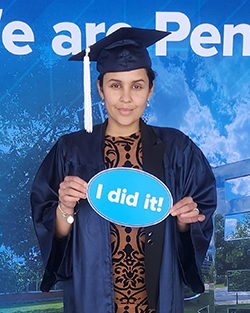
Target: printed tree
[[230, 255]]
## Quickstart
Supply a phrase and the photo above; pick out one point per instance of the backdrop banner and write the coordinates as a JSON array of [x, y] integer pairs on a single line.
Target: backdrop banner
[[202, 88]]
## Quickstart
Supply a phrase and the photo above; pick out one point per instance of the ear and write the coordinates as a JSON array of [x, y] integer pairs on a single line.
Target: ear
[[151, 91], [100, 91]]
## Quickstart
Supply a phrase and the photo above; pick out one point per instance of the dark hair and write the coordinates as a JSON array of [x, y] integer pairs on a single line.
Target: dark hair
[[150, 73]]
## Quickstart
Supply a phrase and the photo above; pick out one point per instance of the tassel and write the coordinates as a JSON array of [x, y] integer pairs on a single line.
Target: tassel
[[88, 123]]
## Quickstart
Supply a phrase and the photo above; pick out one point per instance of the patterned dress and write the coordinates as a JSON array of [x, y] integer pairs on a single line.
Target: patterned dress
[[128, 244]]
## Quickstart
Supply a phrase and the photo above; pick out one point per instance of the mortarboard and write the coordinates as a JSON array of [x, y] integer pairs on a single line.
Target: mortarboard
[[123, 50]]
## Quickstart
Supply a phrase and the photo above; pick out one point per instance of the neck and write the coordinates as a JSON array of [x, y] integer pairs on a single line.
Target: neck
[[122, 130]]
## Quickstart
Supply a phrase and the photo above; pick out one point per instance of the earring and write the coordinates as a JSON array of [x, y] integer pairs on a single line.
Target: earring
[[147, 103], [103, 102]]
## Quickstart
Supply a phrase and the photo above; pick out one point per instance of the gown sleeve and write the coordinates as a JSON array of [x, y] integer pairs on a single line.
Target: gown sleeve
[[44, 201], [196, 179]]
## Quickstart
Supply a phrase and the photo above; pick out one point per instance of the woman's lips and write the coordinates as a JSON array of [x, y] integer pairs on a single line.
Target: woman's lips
[[124, 111]]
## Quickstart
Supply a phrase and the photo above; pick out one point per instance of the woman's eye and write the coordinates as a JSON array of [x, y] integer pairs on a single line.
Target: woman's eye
[[137, 87], [115, 86]]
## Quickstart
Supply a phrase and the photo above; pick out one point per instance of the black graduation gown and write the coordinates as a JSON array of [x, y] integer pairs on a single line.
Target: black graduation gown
[[83, 259]]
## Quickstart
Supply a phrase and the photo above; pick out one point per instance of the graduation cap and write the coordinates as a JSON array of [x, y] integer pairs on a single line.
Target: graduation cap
[[121, 51]]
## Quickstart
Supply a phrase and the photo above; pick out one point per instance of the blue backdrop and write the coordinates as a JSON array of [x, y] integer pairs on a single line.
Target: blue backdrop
[[202, 88]]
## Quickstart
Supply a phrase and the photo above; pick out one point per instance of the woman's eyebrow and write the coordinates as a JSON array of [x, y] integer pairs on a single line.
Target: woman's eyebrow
[[120, 81], [114, 80], [139, 80]]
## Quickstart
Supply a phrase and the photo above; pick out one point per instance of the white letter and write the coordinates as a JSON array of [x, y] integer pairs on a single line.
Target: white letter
[[115, 27], [153, 202], [1, 12], [160, 202], [91, 31], [229, 32], [9, 37], [146, 203], [196, 40], [74, 40], [132, 200], [114, 196], [162, 19], [123, 196], [99, 191]]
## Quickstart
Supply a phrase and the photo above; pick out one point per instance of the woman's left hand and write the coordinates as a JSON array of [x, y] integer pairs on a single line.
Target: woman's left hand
[[186, 212]]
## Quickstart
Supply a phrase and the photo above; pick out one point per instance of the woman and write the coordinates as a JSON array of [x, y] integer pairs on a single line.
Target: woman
[[106, 267]]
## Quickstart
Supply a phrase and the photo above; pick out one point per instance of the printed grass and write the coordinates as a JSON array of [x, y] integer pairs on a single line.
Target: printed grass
[[37, 307], [192, 306]]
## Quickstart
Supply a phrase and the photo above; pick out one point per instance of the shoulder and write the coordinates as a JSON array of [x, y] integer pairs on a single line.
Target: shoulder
[[171, 136], [177, 144], [168, 132], [81, 137], [82, 134], [79, 147]]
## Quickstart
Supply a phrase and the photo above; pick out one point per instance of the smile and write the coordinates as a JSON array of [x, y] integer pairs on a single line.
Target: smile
[[125, 111]]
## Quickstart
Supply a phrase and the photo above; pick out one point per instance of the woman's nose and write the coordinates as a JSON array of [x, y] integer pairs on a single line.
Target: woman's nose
[[126, 95]]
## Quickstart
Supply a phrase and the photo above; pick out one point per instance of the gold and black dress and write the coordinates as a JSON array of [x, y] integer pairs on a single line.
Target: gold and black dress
[[127, 243]]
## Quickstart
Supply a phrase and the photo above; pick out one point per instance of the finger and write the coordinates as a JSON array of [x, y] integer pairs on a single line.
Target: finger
[[71, 192], [76, 183], [182, 202], [196, 210], [189, 214], [74, 186], [201, 217], [191, 217], [68, 200], [183, 206], [76, 179]]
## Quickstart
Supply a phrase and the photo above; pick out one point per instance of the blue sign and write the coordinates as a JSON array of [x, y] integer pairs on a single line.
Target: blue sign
[[129, 197]]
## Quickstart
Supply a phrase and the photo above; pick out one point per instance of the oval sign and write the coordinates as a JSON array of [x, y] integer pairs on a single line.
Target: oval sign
[[129, 197]]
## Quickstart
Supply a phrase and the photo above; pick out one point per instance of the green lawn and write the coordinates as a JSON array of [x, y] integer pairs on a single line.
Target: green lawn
[[192, 306], [37, 307], [223, 308]]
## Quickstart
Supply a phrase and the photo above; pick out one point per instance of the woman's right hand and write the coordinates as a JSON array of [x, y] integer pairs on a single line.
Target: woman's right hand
[[71, 190]]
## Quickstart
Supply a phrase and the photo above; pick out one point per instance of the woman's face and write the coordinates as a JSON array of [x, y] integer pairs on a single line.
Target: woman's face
[[125, 95]]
